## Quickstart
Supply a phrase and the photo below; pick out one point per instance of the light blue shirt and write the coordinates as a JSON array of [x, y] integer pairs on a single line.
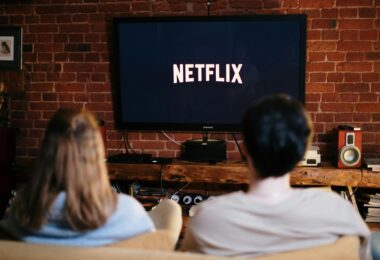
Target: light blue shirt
[[128, 220]]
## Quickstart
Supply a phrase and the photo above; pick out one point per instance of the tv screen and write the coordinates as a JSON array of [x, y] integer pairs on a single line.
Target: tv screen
[[201, 73]]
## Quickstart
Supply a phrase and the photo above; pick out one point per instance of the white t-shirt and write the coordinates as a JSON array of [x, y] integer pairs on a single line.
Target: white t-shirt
[[237, 224]]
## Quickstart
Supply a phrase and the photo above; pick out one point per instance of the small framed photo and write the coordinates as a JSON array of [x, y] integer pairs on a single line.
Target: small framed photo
[[10, 48]]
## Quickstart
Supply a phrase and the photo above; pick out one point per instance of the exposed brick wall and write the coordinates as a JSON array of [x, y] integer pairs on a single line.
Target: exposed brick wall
[[68, 48]]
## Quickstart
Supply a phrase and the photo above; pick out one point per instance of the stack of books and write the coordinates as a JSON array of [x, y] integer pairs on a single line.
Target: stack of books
[[371, 204], [372, 164]]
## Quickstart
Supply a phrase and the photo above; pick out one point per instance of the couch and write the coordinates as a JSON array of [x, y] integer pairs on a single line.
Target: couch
[[160, 245]]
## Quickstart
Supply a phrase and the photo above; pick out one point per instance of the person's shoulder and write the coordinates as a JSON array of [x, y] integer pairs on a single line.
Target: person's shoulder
[[126, 201], [322, 197], [220, 203]]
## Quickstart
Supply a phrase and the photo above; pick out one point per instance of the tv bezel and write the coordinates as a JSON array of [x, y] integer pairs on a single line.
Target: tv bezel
[[183, 127]]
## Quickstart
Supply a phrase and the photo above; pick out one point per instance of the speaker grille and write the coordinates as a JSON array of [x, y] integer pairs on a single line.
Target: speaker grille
[[350, 155]]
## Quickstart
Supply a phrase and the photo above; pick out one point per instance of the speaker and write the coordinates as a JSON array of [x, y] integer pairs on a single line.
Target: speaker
[[349, 148], [210, 150]]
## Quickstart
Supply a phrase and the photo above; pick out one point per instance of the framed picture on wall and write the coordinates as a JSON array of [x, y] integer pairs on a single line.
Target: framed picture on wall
[[10, 48]]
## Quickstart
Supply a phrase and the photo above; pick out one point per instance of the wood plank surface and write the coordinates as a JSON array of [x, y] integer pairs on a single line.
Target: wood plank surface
[[230, 172]]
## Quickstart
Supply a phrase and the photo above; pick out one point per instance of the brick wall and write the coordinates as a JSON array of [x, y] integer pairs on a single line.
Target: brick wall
[[67, 50]]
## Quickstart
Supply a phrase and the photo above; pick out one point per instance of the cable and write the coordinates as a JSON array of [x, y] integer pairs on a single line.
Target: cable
[[357, 185], [126, 141], [183, 187], [238, 146], [208, 3], [171, 139]]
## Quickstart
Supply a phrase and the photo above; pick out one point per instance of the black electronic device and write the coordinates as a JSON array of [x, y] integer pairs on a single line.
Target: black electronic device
[[205, 150], [201, 73], [138, 158]]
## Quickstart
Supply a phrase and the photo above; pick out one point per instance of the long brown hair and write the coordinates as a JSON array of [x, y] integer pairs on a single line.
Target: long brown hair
[[71, 160]]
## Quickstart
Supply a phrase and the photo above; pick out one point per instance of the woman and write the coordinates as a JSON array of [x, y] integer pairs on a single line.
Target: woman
[[69, 200]]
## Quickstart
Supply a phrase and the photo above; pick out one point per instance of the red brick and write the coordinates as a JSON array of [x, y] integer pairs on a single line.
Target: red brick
[[368, 107], [78, 18], [354, 66], [330, 35], [335, 77], [314, 35], [320, 87], [69, 87], [317, 77], [67, 77], [49, 97], [45, 87], [50, 9], [355, 56], [71, 105], [43, 28], [114, 7], [370, 77], [324, 117], [81, 97], [354, 46], [329, 13], [337, 107], [43, 105], [335, 56], [76, 57], [77, 67], [322, 46], [39, 76], [348, 12], [355, 24], [64, 19], [323, 23], [316, 4], [368, 97], [362, 117], [98, 106], [74, 38], [367, 12], [74, 28], [82, 8], [316, 56], [330, 97], [348, 97], [321, 66], [352, 77], [372, 56], [98, 97], [65, 97], [312, 107], [91, 57], [98, 77], [44, 38], [369, 35], [272, 3], [349, 35], [352, 87], [352, 3], [343, 117], [84, 77]]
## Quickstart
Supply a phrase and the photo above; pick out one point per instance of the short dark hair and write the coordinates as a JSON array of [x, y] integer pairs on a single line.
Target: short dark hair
[[277, 132]]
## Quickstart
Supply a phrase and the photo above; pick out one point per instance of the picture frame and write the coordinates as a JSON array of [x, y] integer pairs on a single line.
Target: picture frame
[[10, 48]]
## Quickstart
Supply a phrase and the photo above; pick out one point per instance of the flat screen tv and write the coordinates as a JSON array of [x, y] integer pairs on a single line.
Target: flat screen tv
[[201, 73]]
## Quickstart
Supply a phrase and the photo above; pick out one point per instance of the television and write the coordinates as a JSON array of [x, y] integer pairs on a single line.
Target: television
[[201, 73]]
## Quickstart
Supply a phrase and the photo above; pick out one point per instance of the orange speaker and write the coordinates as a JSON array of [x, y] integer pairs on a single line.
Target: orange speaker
[[349, 148]]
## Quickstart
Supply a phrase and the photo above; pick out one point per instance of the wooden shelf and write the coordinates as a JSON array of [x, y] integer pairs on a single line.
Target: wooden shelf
[[237, 173], [223, 173]]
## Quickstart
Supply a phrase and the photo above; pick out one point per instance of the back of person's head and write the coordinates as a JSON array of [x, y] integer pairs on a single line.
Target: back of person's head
[[277, 132], [71, 161]]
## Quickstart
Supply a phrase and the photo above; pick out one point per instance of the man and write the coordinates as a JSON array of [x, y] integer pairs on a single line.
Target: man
[[272, 217]]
